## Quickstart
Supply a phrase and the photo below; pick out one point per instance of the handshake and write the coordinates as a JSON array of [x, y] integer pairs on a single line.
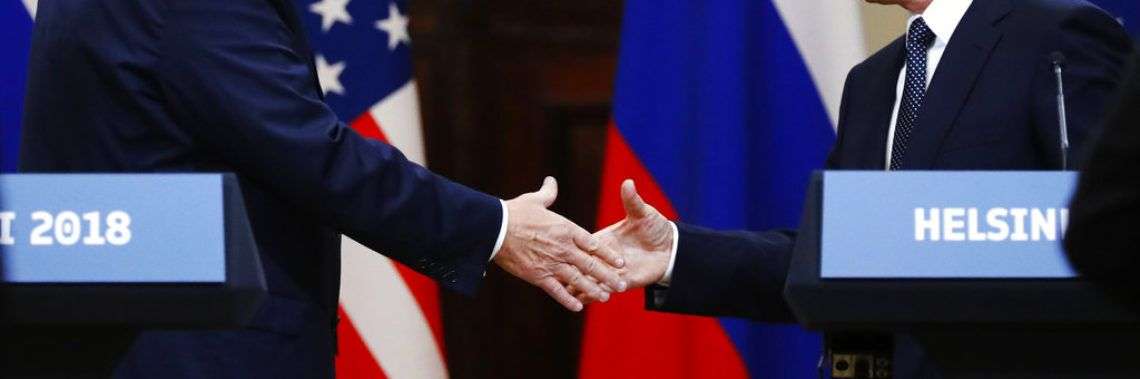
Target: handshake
[[575, 267]]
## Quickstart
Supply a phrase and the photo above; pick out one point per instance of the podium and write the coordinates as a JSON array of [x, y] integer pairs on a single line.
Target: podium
[[968, 266], [89, 260]]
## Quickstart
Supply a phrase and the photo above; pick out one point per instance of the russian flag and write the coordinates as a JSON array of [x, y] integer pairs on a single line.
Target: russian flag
[[722, 110]]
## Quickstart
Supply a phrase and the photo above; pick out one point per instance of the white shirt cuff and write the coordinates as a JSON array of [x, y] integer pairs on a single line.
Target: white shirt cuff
[[665, 279], [502, 231]]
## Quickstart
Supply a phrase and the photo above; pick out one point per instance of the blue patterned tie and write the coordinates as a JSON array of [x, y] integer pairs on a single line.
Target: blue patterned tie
[[918, 40]]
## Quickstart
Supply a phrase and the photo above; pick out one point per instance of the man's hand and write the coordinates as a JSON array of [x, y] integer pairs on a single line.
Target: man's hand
[[644, 239], [552, 253]]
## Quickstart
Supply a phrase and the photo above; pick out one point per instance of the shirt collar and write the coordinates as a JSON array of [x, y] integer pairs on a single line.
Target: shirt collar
[[943, 16]]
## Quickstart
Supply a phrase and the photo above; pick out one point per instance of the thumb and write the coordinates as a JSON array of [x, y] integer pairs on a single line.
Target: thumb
[[635, 207], [548, 192]]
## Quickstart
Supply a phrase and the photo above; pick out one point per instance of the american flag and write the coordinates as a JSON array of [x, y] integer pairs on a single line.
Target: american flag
[[390, 316]]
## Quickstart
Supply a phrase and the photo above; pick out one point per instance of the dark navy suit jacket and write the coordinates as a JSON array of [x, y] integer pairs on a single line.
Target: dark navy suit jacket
[[990, 106], [229, 86]]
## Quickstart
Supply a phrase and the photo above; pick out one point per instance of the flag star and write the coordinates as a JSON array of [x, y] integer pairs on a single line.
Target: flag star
[[329, 75], [396, 25], [331, 12]]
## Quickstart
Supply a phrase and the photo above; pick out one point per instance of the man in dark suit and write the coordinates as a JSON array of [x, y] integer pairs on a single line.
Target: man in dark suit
[[1102, 241], [229, 86], [969, 87]]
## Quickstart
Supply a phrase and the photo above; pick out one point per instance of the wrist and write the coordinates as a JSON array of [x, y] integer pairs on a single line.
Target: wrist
[[502, 231], [670, 255], [660, 268]]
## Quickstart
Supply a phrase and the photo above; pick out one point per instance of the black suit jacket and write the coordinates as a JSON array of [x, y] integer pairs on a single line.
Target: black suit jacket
[[1102, 241], [229, 86], [990, 106]]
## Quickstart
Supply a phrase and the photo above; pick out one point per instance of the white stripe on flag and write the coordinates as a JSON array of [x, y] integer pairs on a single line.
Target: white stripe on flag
[[31, 6], [386, 315], [830, 39], [399, 117]]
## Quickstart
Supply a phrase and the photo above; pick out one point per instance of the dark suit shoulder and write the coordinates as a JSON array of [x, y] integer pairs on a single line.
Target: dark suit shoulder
[[1055, 14], [888, 56], [1057, 9], [1084, 33]]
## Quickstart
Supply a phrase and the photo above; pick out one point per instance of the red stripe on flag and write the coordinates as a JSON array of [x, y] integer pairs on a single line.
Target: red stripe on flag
[[368, 127], [623, 340], [353, 359]]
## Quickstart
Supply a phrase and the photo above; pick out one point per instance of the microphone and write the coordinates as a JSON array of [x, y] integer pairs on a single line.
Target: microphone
[[1058, 60]]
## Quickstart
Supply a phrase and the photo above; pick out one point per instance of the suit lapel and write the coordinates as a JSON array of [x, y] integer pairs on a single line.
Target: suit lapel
[[962, 62]]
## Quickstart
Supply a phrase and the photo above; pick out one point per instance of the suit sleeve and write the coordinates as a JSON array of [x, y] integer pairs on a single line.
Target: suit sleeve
[[233, 75], [737, 274], [1096, 50], [1101, 240]]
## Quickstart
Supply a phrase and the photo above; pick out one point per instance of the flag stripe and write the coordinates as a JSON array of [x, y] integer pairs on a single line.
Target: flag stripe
[[398, 115], [426, 293], [387, 316], [354, 360], [366, 125], [31, 5], [830, 42]]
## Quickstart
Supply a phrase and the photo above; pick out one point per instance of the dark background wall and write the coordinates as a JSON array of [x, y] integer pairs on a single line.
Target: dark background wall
[[511, 91]]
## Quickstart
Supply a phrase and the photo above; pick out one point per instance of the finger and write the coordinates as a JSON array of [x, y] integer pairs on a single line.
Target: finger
[[576, 292], [560, 294], [590, 265], [548, 192], [590, 243], [604, 288], [574, 278], [634, 206], [582, 298]]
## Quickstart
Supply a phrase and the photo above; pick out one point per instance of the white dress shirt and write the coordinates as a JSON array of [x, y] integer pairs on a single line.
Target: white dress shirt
[[502, 232], [942, 16]]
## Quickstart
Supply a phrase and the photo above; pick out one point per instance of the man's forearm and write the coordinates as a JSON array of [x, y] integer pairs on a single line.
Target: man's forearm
[[738, 274]]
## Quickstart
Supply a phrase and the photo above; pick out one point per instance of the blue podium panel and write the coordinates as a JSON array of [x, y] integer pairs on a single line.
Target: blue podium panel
[[127, 251], [944, 225], [967, 264], [112, 228]]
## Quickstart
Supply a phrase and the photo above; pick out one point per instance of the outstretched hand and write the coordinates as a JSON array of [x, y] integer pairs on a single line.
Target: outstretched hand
[[552, 253], [644, 239]]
